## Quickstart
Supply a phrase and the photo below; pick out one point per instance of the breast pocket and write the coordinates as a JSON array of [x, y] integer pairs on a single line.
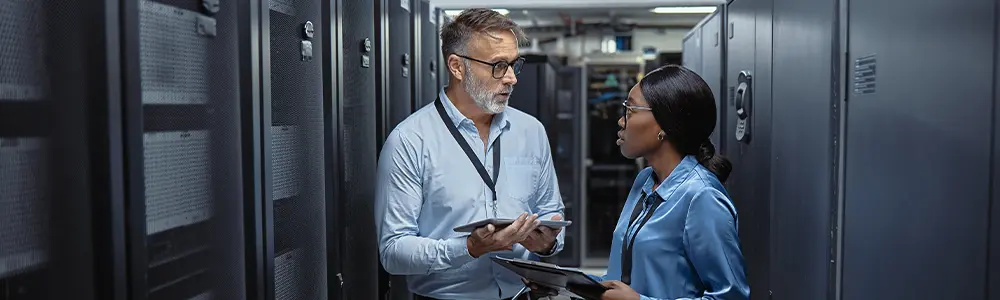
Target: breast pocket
[[521, 175]]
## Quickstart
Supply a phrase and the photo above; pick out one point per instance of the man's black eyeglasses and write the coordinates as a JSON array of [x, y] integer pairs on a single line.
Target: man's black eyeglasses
[[500, 67]]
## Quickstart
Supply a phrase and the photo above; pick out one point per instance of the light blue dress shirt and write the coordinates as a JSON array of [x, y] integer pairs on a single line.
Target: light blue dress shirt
[[689, 248], [426, 186]]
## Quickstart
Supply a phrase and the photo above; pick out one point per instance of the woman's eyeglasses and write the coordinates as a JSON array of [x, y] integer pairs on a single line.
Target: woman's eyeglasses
[[500, 67], [627, 110]]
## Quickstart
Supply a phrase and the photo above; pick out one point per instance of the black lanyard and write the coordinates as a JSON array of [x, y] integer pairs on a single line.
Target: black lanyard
[[472, 155], [628, 243]]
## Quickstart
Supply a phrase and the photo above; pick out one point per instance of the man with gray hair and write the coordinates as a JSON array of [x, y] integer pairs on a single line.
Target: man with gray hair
[[442, 167]]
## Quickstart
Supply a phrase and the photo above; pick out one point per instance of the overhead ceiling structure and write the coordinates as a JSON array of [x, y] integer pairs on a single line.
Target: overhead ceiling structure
[[573, 17], [567, 4]]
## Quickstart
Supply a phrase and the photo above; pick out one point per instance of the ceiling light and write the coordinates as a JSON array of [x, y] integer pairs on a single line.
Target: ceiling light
[[685, 10], [456, 12]]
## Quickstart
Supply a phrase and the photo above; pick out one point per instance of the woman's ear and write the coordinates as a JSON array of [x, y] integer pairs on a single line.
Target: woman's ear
[[455, 66]]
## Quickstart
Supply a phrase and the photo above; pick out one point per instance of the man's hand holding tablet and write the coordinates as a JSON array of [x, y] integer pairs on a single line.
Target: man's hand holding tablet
[[489, 238], [542, 239]]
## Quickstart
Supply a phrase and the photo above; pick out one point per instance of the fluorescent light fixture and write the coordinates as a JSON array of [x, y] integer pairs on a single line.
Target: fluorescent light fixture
[[456, 12], [685, 10]]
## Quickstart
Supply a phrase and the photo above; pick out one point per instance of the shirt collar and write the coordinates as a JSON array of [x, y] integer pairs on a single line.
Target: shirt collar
[[457, 117], [678, 175]]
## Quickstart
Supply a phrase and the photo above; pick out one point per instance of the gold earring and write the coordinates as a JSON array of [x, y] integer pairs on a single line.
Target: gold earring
[[659, 136]]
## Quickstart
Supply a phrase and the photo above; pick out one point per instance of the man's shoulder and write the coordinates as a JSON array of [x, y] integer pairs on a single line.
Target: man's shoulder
[[417, 122], [524, 121]]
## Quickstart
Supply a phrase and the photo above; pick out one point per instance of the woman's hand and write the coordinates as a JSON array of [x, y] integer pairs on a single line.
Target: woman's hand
[[618, 290], [538, 291]]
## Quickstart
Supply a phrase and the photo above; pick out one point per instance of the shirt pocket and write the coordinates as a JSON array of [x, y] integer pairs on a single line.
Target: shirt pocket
[[521, 177]]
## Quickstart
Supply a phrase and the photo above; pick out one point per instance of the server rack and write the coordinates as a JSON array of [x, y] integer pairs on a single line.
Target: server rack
[[691, 57], [393, 78], [444, 74], [703, 49], [712, 69], [565, 136], [426, 50], [293, 127], [552, 93], [183, 139], [536, 85], [748, 76], [60, 151], [608, 175], [805, 116], [888, 197], [357, 141]]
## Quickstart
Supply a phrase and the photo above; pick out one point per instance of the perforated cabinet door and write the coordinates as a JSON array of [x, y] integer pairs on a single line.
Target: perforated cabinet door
[[297, 159], [191, 192], [25, 201], [48, 192], [357, 145]]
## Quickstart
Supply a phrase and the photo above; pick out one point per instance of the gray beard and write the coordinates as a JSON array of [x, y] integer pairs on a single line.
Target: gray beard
[[481, 95]]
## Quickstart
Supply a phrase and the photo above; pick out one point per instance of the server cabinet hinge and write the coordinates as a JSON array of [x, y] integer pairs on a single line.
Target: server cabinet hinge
[[210, 6], [308, 30], [366, 47], [307, 50], [206, 26]]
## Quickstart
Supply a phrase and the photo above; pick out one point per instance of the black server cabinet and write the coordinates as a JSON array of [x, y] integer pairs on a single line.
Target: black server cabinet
[[747, 132], [183, 135], [394, 85], [691, 56], [61, 188], [536, 85], [294, 51], [393, 77], [805, 124], [357, 143], [712, 68], [444, 75], [907, 138], [565, 137], [426, 50]]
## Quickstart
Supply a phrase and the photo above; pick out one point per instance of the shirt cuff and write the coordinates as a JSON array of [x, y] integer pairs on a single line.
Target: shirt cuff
[[458, 251], [552, 251]]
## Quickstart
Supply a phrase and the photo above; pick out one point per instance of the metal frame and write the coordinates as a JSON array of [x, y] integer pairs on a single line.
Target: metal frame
[[418, 69], [839, 129], [383, 92], [134, 178], [266, 188], [723, 107], [105, 122], [333, 114], [993, 233], [584, 143], [253, 185]]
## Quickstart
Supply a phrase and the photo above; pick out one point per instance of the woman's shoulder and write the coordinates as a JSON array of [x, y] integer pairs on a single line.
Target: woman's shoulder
[[702, 178]]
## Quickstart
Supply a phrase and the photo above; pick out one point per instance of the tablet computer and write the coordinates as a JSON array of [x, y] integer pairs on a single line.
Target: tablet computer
[[570, 280], [500, 223]]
